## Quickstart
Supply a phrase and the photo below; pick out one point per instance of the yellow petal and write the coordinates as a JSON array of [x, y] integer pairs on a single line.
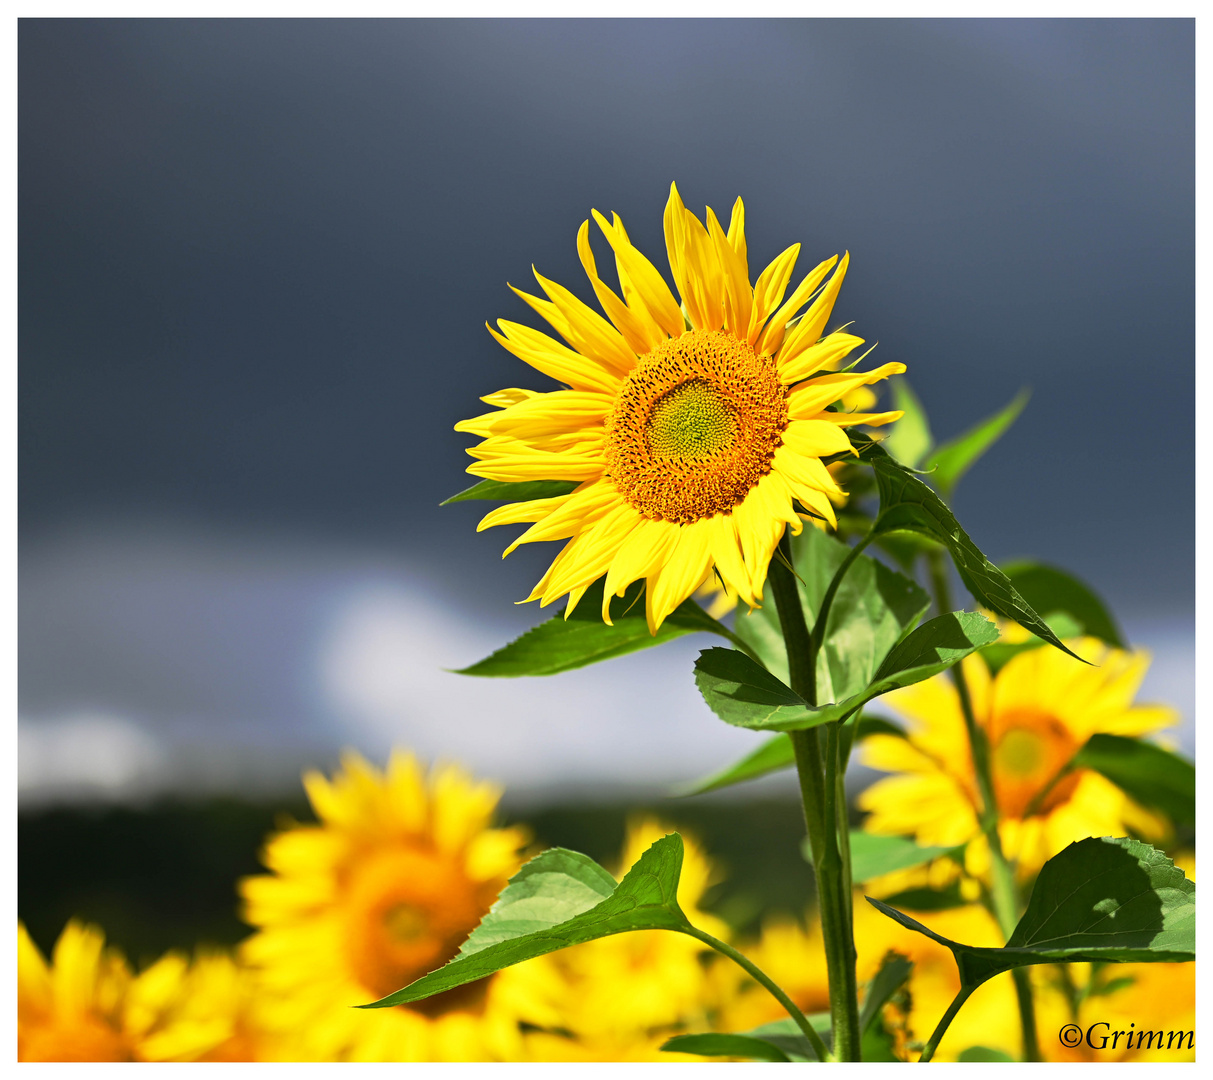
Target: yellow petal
[[681, 574], [591, 333], [772, 335], [547, 355], [644, 549], [806, 332], [739, 297], [637, 328], [643, 277], [772, 283], [796, 363]]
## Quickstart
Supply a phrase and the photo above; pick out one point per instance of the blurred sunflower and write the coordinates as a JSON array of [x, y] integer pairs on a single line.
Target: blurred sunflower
[[386, 888], [1037, 713], [87, 1005], [795, 958], [694, 432], [619, 998]]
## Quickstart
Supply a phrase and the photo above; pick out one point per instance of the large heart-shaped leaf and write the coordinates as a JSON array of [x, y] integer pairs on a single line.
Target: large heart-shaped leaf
[[558, 899], [1099, 900], [744, 694], [520, 491], [872, 609], [906, 503], [562, 644]]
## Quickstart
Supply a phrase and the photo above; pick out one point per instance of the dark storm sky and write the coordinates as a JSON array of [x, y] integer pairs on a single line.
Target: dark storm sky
[[256, 257]]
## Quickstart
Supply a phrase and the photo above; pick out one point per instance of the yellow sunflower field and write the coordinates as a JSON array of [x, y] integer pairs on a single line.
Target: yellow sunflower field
[[1007, 874]]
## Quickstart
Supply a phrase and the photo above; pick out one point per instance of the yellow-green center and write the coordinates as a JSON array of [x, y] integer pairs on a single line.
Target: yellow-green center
[[1020, 752], [691, 421]]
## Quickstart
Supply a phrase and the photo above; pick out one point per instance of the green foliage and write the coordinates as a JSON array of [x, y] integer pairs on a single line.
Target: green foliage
[[1098, 900], [776, 753], [558, 899], [745, 695], [954, 458], [910, 440], [504, 491], [1148, 773], [906, 503], [872, 609], [1055, 591], [774, 1046], [562, 644], [890, 977], [872, 855], [780, 1040], [983, 1053]]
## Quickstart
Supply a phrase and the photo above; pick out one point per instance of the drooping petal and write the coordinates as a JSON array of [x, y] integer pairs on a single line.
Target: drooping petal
[[681, 574], [643, 551]]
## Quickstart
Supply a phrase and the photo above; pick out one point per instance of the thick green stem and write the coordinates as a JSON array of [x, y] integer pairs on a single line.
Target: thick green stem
[[818, 790], [759, 976], [1004, 892], [928, 1051]]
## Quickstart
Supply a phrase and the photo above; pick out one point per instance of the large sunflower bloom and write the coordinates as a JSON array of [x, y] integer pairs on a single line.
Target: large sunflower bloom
[[1037, 713], [400, 870], [695, 431], [620, 997]]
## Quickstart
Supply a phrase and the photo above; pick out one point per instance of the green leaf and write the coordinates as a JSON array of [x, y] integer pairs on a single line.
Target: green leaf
[[929, 899], [745, 695], [718, 1044], [1051, 590], [562, 644], [906, 503], [954, 458], [1146, 772], [873, 855], [782, 1038], [873, 607], [776, 753], [984, 1053], [910, 440], [505, 491], [558, 899], [889, 978], [1099, 900]]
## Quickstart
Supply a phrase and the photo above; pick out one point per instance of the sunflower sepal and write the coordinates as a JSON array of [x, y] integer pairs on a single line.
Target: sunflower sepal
[[513, 491], [558, 899], [562, 644], [746, 695]]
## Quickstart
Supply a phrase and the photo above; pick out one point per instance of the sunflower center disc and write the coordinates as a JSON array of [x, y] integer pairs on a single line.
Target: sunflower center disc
[[691, 421], [695, 426]]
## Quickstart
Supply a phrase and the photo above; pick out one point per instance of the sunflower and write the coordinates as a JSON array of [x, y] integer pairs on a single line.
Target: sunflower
[[695, 433], [1037, 712], [387, 887], [88, 1005], [619, 998], [795, 958]]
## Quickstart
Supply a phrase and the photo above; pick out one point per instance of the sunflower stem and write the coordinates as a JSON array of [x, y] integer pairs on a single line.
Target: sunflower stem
[[1004, 891], [819, 794], [761, 977]]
